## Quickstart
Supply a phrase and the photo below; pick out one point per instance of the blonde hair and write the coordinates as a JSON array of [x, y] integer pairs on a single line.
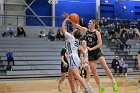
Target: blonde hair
[[84, 41]]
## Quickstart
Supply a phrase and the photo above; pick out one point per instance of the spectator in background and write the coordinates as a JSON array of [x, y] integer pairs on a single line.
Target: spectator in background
[[51, 34], [122, 67], [115, 64], [105, 23], [130, 32], [136, 33], [101, 22], [42, 34], [9, 55], [9, 31], [117, 27], [123, 42], [59, 34], [82, 22], [20, 31]]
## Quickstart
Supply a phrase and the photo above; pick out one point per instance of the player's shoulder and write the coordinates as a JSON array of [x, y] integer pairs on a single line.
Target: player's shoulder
[[79, 47], [64, 48]]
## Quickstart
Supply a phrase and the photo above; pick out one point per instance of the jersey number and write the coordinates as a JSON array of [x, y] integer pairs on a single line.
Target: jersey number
[[76, 43]]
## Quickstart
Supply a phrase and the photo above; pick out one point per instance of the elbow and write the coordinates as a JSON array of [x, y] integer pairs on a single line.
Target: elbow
[[100, 44], [85, 29]]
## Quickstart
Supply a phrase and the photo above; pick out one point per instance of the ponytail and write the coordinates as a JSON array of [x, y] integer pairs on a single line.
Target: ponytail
[[94, 21]]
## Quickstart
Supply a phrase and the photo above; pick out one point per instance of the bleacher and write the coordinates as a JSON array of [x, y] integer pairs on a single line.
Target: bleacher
[[130, 57], [35, 56]]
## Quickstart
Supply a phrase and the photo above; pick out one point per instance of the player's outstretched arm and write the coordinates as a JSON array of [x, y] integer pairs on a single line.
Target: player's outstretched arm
[[63, 27], [80, 27]]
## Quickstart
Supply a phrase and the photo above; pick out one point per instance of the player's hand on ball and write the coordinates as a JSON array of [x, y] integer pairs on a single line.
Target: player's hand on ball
[[65, 15]]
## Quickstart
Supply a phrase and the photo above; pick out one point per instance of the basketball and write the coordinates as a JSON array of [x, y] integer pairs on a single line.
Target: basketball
[[74, 18]]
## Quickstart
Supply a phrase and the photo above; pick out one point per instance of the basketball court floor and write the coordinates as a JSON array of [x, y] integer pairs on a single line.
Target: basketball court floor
[[49, 85]]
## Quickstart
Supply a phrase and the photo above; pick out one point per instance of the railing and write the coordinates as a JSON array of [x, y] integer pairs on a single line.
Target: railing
[[29, 20]]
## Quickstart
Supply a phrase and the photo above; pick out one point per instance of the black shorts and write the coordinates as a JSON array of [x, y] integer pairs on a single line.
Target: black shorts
[[64, 69], [94, 55]]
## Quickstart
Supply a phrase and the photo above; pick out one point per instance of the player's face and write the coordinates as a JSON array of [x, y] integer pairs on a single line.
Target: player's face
[[90, 24], [84, 44]]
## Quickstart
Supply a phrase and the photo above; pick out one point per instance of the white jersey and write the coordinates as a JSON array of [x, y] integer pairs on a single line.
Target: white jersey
[[72, 48], [86, 54]]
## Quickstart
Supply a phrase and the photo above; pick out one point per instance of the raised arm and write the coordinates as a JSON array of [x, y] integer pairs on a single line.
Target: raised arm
[[63, 27], [80, 27]]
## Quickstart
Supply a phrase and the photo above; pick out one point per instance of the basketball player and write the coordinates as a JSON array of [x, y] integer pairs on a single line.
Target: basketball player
[[94, 43], [72, 44], [83, 51], [64, 68], [85, 65]]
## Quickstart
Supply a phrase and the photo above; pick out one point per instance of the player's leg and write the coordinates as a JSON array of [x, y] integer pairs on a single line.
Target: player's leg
[[60, 84], [81, 79], [108, 72], [87, 68], [93, 66], [72, 81]]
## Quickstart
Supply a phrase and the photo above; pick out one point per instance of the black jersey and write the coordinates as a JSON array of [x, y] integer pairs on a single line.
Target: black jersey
[[92, 40], [139, 52], [63, 51], [64, 69]]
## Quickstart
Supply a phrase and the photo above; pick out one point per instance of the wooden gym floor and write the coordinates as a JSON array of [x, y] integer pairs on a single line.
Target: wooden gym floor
[[49, 85]]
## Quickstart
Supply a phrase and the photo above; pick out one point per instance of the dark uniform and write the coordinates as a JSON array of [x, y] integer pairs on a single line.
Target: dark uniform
[[139, 52], [92, 40], [64, 69]]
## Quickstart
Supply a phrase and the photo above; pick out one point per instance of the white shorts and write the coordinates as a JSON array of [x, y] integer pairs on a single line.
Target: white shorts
[[74, 61]]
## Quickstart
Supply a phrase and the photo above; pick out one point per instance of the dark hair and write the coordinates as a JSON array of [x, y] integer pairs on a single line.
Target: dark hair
[[77, 34]]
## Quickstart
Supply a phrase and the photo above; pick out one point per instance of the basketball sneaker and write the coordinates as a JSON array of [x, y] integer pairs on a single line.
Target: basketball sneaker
[[90, 87], [88, 90], [101, 89], [115, 87]]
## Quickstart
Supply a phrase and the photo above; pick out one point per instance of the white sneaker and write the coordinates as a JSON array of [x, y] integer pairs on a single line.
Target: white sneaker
[[88, 90], [125, 74], [90, 87], [78, 89], [59, 88]]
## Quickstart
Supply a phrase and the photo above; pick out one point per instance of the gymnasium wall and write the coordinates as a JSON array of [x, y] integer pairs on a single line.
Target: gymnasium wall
[[114, 9], [41, 8], [84, 8]]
